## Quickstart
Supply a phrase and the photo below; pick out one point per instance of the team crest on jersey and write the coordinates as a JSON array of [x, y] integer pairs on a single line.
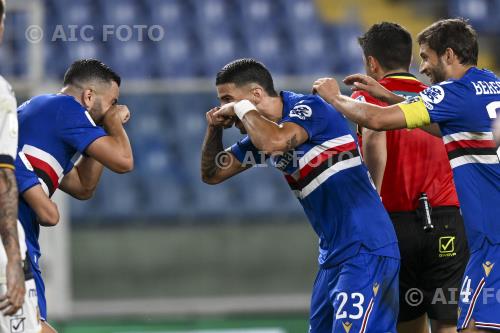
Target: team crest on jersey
[[361, 98], [434, 95], [301, 111]]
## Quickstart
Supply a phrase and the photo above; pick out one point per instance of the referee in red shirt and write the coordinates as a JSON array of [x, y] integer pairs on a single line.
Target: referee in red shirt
[[404, 165]]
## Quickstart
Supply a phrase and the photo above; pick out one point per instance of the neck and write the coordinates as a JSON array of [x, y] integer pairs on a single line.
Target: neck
[[71, 91], [458, 71], [383, 74], [271, 108]]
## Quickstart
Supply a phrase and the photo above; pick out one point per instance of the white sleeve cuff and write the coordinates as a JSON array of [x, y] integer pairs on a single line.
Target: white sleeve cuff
[[243, 107]]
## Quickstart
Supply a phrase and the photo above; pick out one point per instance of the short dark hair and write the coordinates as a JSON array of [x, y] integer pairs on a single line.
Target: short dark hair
[[244, 71], [2, 10], [389, 43], [88, 70], [456, 34]]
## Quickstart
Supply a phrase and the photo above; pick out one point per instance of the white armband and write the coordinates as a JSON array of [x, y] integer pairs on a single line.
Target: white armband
[[242, 107]]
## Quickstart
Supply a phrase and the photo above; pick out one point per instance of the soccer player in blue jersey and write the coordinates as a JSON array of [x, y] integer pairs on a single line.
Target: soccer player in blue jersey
[[464, 104], [356, 288], [65, 140]]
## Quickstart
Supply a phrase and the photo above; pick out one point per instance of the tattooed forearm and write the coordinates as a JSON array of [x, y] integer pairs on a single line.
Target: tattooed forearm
[[212, 146], [8, 214], [292, 142]]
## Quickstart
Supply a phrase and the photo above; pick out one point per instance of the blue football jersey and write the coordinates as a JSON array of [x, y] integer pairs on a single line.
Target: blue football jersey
[[328, 176], [53, 131], [465, 110]]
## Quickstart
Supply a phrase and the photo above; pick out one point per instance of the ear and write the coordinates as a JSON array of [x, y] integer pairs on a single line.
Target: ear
[[88, 98], [372, 64], [449, 56], [258, 94]]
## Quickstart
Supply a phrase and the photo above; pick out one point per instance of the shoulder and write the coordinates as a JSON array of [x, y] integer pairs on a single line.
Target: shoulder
[[308, 106]]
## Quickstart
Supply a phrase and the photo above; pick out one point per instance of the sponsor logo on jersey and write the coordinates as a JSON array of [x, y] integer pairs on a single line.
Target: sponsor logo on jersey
[[376, 286], [488, 266], [347, 326], [301, 111]]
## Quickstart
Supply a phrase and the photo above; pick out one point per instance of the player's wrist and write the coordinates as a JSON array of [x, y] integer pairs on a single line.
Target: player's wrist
[[242, 107]]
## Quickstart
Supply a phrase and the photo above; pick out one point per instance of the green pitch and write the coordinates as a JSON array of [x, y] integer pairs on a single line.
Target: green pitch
[[262, 324]]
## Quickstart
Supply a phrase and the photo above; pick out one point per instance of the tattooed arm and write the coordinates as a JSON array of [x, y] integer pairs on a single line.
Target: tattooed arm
[[217, 165], [13, 299]]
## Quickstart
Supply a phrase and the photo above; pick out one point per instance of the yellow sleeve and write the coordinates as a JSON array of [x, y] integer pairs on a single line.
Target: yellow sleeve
[[415, 112]]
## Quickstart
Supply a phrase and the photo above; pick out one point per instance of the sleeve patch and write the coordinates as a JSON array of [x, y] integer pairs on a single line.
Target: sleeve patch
[[301, 111], [432, 95]]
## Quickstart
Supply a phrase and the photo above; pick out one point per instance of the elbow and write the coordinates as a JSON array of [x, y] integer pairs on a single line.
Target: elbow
[[210, 180], [274, 145], [125, 165], [85, 194], [49, 217]]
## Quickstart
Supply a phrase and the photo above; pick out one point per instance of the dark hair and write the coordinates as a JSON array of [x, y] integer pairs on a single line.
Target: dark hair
[[2, 10], [389, 43], [88, 70], [244, 71], [455, 34]]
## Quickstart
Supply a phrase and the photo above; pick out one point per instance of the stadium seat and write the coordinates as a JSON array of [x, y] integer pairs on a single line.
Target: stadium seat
[[218, 50], [131, 59], [347, 55], [258, 15], [119, 196], [127, 12], [312, 54], [270, 49], [171, 55], [76, 12], [484, 15], [173, 15]]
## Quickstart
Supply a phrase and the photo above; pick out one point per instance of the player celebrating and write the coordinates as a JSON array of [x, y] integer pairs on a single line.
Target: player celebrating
[[311, 143], [464, 107], [53, 131], [404, 164], [13, 281]]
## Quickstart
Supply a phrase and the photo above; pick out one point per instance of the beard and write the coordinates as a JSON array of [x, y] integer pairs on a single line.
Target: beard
[[437, 74], [97, 112]]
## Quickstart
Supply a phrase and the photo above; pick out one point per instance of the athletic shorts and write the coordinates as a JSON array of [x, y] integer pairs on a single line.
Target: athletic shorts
[[27, 319], [359, 295], [432, 264], [480, 289], [40, 289]]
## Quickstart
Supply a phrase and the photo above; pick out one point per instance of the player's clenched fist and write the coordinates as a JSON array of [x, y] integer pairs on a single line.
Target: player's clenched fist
[[217, 120], [327, 88], [117, 112]]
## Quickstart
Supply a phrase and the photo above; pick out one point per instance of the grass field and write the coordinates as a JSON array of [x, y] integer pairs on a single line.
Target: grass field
[[254, 324]]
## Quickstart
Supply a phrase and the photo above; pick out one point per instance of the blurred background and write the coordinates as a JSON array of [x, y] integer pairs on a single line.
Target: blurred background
[[157, 250]]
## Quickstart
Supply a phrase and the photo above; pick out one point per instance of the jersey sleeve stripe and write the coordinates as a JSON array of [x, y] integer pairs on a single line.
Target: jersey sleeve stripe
[[459, 136], [315, 151], [415, 113]]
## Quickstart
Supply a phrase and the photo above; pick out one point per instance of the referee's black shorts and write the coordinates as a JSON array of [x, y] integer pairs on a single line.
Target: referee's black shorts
[[432, 264]]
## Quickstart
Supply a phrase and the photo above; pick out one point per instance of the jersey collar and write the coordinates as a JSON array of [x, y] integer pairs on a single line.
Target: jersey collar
[[402, 75]]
